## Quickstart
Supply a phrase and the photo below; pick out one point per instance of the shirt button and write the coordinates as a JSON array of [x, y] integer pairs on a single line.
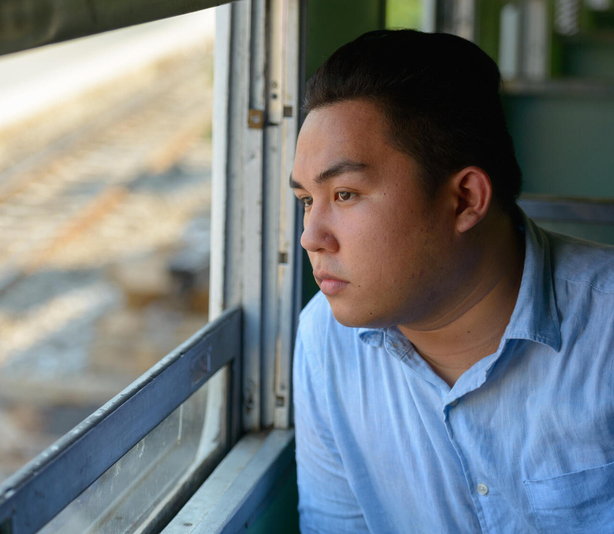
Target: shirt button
[[482, 489], [454, 403]]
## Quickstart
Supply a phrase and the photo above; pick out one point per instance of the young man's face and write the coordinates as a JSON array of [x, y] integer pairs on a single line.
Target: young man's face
[[381, 252]]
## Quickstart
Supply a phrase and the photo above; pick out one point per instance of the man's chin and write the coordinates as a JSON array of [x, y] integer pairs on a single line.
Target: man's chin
[[356, 316]]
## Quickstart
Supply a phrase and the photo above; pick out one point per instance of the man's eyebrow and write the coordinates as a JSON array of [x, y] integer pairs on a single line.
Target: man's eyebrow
[[339, 168]]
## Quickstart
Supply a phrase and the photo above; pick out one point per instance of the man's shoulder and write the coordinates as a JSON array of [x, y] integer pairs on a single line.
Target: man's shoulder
[[582, 262]]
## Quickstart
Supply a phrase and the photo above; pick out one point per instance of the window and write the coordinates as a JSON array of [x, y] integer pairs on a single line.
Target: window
[[104, 217]]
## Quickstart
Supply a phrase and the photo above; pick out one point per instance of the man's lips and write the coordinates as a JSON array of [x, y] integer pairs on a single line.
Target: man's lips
[[329, 284]]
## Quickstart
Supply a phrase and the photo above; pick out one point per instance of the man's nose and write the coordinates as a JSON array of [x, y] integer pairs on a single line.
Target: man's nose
[[318, 233]]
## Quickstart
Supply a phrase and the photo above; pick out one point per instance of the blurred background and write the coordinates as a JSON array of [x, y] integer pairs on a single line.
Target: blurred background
[[105, 162]]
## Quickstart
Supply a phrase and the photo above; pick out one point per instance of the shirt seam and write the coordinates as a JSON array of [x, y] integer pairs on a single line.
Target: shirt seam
[[585, 283], [516, 334]]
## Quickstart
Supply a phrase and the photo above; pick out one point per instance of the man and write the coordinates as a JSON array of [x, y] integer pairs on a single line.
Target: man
[[455, 373]]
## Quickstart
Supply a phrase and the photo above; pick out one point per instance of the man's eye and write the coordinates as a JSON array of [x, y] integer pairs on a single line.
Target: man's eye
[[344, 196], [306, 201]]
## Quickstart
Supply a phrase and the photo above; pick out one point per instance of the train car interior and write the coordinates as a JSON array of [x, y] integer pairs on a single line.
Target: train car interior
[[197, 434]]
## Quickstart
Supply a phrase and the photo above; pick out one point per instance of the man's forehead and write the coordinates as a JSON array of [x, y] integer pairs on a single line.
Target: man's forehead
[[345, 131]]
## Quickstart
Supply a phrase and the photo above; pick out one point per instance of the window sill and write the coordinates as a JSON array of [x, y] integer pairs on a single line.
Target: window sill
[[241, 488]]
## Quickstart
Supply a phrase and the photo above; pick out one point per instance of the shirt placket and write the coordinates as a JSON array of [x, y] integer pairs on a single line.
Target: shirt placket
[[477, 484]]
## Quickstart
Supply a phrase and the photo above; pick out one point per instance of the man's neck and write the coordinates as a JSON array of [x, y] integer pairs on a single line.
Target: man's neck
[[472, 328]]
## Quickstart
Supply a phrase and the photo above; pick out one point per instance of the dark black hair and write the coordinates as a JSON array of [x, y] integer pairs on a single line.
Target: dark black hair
[[440, 96]]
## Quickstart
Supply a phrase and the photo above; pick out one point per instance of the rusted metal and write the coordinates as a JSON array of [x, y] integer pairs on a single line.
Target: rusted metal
[[255, 119]]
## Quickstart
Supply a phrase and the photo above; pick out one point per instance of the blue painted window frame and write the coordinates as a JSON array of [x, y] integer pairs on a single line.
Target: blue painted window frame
[[44, 487]]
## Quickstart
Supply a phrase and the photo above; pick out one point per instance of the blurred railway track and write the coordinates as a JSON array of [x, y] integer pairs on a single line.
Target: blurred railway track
[[96, 205], [53, 196]]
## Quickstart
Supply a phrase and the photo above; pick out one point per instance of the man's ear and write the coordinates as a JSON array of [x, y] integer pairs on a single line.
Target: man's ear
[[473, 190]]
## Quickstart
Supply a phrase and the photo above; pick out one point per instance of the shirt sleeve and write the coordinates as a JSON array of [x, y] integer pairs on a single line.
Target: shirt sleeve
[[327, 504]]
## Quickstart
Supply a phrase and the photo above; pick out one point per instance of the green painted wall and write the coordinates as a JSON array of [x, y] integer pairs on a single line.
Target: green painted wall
[[487, 26], [589, 58], [281, 516], [564, 144], [564, 147], [332, 23]]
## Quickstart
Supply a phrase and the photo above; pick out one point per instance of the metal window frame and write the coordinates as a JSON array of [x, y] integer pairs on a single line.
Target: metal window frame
[[42, 489], [239, 490], [254, 213]]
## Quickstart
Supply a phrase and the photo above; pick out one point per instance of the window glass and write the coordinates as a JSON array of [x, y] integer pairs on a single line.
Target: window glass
[[105, 158], [142, 483]]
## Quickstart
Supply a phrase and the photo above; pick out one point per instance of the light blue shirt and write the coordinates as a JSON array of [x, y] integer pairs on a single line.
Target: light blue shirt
[[523, 442]]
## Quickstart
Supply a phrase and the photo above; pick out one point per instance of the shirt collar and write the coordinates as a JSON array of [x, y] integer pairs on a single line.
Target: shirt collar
[[534, 317], [371, 336]]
